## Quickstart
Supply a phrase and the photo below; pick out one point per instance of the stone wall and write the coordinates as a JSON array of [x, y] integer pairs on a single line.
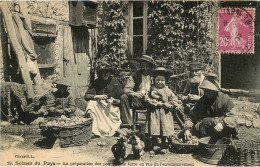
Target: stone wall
[[247, 113], [55, 10], [53, 45], [55, 13], [48, 13]]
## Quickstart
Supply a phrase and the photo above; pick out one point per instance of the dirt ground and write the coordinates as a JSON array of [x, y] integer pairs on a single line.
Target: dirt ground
[[18, 148]]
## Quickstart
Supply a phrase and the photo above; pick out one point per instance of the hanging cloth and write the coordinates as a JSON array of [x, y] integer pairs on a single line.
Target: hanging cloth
[[24, 37]]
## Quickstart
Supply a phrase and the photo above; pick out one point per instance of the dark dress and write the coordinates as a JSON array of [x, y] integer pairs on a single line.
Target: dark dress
[[106, 116], [159, 120], [110, 87]]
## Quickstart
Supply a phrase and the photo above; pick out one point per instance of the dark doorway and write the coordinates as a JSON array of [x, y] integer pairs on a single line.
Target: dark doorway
[[240, 71]]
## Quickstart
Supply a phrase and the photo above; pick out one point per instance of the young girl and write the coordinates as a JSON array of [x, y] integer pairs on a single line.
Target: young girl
[[160, 103]]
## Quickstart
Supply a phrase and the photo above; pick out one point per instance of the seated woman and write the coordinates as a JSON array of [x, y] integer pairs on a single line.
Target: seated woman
[[104, 95]]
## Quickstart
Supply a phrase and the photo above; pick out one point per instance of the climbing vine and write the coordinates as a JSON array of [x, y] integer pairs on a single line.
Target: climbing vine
[[180, 33], [112, 38]]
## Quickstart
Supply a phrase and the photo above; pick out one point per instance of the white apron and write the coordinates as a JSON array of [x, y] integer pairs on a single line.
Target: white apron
[[106, 118]]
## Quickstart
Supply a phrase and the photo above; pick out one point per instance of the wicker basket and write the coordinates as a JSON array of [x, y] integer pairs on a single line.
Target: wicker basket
[[243, 153], [183, 148], [70, 135]]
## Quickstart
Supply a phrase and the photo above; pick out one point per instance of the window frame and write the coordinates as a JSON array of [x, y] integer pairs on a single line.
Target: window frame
[[131, 28]]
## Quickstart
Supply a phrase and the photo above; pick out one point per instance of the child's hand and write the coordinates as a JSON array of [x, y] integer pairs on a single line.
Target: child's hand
[[155, 95], [153, 102], [168, 105], [219, 127], [160, 104]]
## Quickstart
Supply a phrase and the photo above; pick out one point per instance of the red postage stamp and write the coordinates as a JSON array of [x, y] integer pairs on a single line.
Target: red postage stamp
[[236, 30]]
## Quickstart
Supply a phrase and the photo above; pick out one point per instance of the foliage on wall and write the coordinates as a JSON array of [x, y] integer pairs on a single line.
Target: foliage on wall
[[180, 34], [205, 28], [55, 10], [112, 38]]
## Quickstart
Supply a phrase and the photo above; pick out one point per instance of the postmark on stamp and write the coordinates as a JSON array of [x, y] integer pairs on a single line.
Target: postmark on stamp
[[236, 30]]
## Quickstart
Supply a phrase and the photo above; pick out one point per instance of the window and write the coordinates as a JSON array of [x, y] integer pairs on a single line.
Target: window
[[138, 11]]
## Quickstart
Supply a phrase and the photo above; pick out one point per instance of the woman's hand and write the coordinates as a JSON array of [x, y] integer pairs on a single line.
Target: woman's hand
[[184, 98], [111, 100], [116, 101], [100, 97], [219, 127]]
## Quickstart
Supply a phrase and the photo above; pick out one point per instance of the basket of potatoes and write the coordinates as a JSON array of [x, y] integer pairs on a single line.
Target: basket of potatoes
[[179, 144], [71, 131]]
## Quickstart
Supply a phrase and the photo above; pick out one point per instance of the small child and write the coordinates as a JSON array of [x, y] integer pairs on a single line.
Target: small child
[[61, 102], [160, 103]]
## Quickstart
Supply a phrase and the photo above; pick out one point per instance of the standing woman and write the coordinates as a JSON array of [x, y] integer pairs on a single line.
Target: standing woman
[[104, 99]]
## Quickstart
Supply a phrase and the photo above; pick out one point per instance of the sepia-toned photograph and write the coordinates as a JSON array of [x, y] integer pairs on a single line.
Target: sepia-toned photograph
[[130, 83]]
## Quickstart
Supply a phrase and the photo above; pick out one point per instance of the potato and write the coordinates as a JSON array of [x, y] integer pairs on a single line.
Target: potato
[[189, 142], [63, 117], [49, 124]]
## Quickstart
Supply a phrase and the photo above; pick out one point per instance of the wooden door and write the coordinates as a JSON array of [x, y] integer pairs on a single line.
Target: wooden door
[[76, 59]]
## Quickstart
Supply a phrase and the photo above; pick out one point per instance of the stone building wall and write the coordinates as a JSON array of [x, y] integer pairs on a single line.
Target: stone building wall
[[247, 113], [55, 42], [55, 10], [48, 13], [67, 59], [56, 13]]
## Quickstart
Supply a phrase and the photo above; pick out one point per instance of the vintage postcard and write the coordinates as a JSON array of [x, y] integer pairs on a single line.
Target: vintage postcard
[[130, 83]]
